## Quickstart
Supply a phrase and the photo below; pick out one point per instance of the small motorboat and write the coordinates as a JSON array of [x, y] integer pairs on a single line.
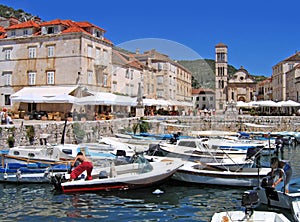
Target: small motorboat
[[140, 173], [203, 173], [50, 154], [196, 149], [249, 201], [30, 172], [278, 197], [296, 209]]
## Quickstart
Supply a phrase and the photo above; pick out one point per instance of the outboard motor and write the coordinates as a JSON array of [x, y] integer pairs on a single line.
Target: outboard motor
[[270, 191], [249, 201], [56, 180], [267, 182]]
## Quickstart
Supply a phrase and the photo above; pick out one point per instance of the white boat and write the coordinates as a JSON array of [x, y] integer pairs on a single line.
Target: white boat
[[120, 177], [234, 141], [296, 209], [207, 174], [35, 164], [50, 154], [257, 216], [197, 150], [114, 145], [249, 200], [278, 197]]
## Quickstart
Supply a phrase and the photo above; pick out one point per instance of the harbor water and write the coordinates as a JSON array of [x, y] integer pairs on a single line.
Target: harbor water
[[176, 201]]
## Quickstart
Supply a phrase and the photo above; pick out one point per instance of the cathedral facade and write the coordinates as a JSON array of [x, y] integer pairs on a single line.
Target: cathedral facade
[[238, 87]]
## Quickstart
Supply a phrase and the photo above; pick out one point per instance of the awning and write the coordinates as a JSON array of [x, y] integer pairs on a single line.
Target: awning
[[289, 103], [161, 102], [104, 98], [62, 98], [29, 98], [265, 103], [45, 91]]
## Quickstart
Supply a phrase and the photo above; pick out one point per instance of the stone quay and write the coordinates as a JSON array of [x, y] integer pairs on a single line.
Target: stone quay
[[52, 131]]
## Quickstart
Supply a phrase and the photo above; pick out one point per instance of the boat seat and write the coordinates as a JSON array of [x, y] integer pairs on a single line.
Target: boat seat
[[102, 175]]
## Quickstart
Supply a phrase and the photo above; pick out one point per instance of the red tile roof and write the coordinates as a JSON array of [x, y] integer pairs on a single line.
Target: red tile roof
[[24, 25], [202, 90], [56, 22], [70, 26], [221, 45], [126, 60], [2, 30], [74, 29], [87, 25]]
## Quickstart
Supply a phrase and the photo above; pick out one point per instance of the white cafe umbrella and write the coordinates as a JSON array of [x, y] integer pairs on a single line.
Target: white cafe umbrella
[[242, 104], [29, 98], [62, 98], [289, 103], [266, 103], [91, 100]]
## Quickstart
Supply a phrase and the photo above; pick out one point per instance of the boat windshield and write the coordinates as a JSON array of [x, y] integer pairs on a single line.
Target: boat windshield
[[143, 164], [191, 144]]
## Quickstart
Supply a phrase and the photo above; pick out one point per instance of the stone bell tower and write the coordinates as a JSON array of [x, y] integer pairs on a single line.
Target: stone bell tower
[[221, 78]]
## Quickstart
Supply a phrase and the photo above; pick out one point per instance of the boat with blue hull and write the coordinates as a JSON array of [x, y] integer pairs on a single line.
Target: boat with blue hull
[[30, 173]]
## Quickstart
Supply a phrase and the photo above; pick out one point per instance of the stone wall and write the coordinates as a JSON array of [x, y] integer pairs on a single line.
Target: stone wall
[[53, 130]]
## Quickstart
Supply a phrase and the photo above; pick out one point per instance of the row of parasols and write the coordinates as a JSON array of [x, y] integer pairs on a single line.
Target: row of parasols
[[100, 98], [268, 103]]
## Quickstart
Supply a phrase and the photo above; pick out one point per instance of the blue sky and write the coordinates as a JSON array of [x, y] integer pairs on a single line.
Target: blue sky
[[259, 33]]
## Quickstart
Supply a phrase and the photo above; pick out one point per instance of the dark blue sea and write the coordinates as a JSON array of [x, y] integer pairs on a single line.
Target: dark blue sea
[[178, 202]]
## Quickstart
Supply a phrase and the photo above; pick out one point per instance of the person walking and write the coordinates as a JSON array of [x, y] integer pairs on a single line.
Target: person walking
[[3, 115]]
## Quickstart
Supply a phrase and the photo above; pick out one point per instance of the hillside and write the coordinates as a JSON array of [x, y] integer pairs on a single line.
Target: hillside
[[203, 71], [7, 12]]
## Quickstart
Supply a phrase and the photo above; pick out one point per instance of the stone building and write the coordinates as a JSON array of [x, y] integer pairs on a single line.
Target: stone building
[[221, 76], [127, 73], [293, 84], [203, 99], [56, 53], [173, 81], [281, 72], [65, 53], [264, 90], [239, 87]]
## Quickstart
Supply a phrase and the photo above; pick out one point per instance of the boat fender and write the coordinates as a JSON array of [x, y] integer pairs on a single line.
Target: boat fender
[[158, 191], [112, 172], [5, 176], [19, 174], [46, 173]]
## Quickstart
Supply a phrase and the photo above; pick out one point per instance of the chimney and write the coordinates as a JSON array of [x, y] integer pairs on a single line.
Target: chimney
[[37, 19]]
